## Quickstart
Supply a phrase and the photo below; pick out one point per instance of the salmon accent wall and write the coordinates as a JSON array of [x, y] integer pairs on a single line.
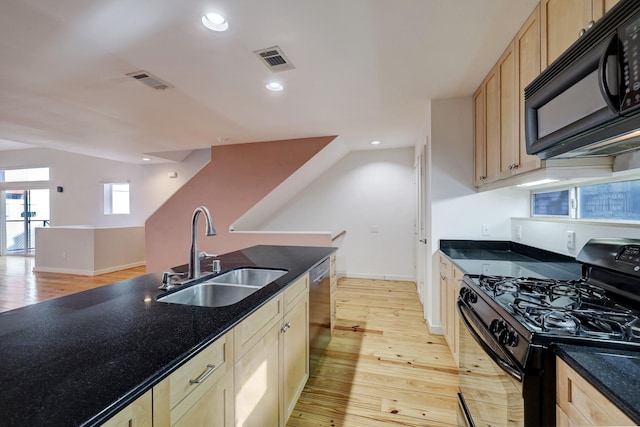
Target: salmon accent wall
[[237, 177]]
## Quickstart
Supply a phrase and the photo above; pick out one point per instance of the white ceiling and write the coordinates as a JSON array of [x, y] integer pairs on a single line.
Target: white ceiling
[[365, 69]]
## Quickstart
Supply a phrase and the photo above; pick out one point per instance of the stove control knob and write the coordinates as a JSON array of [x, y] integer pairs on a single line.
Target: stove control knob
[[471, 297], [494, 326], [513, 339], [509, 338]]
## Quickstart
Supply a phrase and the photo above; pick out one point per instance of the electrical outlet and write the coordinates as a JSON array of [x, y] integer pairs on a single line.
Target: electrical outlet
[[485, 229], [375, 228], [486, 268], [518, 232], [571, 240]]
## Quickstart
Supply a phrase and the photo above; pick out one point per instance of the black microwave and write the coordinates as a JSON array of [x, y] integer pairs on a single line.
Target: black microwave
[[587, 102]]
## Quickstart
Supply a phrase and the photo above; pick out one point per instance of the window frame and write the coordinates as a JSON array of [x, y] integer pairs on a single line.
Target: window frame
[[109, 189]]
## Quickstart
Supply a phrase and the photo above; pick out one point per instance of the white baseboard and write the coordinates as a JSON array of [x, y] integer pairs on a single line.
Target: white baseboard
[[376, 276], [435, 329], [87, 272]]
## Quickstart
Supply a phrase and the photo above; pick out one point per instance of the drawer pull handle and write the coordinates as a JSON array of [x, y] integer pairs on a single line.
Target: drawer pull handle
[[205, 375], [286, 327]]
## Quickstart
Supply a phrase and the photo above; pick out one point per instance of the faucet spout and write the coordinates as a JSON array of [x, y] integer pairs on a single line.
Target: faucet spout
[[194, 253]]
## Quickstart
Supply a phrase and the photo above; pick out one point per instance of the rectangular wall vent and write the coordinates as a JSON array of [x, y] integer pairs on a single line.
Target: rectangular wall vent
[[149, 80], [274, 59]]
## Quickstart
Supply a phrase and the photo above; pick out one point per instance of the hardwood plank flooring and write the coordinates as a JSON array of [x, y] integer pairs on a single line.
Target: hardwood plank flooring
[[20, 286], [382, 367]]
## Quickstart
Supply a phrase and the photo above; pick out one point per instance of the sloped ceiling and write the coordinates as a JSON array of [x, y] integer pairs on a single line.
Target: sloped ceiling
[[365, 69]]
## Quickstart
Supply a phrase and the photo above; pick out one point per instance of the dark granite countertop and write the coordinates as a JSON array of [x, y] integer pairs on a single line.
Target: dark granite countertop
[[79, 359], [505, 258], [614, 373]]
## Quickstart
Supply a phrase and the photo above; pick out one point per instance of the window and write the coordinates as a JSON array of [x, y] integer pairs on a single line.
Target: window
[[552, 203], [116, 198], [24, 175], [615, 201]]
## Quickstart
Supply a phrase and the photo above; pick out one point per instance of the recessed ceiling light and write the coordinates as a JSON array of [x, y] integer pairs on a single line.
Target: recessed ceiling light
[[146, 159], [215, 22], [275, 87], [375, 142]]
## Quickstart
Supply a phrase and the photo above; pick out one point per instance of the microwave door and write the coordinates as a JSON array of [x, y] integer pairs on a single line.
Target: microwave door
[[580, 97]]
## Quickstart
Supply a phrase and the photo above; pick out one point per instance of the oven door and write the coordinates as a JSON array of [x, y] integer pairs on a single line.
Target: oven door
[[490, 380]]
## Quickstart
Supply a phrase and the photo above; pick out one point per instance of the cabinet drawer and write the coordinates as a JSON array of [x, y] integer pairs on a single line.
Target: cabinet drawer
[[253, 328], [295, 291], [580, 403], [210, 362]]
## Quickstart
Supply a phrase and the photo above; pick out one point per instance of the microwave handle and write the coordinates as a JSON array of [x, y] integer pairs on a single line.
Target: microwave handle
[[609, 74]]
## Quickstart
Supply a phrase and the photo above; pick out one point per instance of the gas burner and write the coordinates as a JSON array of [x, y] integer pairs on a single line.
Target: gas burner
[[559, 320], [506, 286]]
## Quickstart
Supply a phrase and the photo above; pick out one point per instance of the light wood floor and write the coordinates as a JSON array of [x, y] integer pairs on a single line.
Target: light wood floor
[[382, 367], [20, 286]]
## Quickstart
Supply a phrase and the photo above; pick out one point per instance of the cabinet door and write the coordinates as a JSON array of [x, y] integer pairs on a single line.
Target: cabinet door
[[492, 125], [509, 142], [137, 414], [295, 353], [479, 141], [215, 408], [580, 403], [562, 21], [333, 285], [257, 377], [527, 47]]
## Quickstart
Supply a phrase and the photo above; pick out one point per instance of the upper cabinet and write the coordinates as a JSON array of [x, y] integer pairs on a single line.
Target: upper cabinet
[[500, 148], [563, 20], [527, 51]]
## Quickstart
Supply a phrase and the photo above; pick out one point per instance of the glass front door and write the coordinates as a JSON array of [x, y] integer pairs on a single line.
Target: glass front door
[[24, 211]]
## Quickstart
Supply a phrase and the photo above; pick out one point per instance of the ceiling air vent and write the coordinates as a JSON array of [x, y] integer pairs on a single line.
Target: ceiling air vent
[[274, 59], [149, 80]]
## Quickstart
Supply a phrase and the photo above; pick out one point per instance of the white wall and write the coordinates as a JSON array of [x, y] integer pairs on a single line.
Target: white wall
[[458, 211], [81, 202], [364, 191], [552, 235]]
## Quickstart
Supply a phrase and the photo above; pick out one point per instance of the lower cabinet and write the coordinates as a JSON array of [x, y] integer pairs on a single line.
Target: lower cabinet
[[578, 403], [137, 414], [272, 364], [251, 376], [333, 289], [199, 393], [450, 277]]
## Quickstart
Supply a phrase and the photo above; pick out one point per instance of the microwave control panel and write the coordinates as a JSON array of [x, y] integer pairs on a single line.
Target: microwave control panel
[[629, 37]]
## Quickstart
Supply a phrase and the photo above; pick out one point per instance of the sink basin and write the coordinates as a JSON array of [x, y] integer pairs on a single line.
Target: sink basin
[[225, 289], [249, 276]]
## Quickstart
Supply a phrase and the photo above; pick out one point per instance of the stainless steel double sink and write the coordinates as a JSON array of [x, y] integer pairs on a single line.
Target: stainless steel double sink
[[225, 289]]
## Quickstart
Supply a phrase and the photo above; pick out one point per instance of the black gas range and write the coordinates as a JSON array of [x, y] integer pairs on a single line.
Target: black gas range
[[510, 324]]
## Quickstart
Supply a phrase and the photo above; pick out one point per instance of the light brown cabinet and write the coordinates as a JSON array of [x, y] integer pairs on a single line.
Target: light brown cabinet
[[527, 51], [136, 414], [199, 392], [562, 21], [479, 137], [450, 277], [272, 358], [333, 291], [578, 403], [499, 144], [251, 376]]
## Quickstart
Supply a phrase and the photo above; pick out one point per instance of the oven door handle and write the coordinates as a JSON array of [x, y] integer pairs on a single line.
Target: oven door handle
[[508, 367]]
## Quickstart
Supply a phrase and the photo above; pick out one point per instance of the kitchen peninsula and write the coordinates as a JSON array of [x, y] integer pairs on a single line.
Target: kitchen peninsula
[[80, 359]]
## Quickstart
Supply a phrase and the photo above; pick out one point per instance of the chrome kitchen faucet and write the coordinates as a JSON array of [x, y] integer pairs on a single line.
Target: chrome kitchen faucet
[[194, 253]]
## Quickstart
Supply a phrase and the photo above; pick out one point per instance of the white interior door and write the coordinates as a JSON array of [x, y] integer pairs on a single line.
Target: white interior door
[[421, 229]]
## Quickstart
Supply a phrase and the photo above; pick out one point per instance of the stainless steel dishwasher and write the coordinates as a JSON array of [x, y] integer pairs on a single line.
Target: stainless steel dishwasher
[[319, 313]]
